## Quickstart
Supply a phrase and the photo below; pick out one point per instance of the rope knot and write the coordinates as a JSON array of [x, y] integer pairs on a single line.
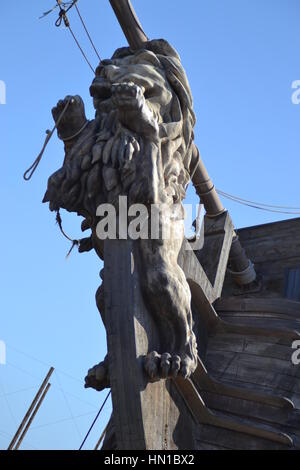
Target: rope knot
[[62, 16]]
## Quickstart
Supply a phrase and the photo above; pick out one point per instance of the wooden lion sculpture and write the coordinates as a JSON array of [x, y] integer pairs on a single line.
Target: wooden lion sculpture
[[140, 146]]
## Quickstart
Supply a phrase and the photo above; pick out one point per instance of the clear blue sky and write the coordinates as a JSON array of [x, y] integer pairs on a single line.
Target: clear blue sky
[[241, 57]]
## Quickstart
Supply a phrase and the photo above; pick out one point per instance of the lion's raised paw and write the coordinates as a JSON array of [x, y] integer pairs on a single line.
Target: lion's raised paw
[[98, 377]]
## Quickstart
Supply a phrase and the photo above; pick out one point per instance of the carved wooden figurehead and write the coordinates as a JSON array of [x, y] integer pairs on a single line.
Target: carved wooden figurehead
[[157, 298]]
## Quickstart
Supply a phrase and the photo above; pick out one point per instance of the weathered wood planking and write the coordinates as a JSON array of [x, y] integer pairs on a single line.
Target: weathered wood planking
[[281, 384], [262, 319], [241, 363], [204, 416], [251, 360], [265, 305], [292, 284], [273, 248], [263, 413], [259, 363], [205, 269], [145, 415], [211, 435], [250, 346], [254, 363]]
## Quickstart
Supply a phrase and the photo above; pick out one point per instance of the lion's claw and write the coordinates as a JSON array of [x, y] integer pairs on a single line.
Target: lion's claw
[[151, 364], [176, 363], [161, 366], [165, 364]]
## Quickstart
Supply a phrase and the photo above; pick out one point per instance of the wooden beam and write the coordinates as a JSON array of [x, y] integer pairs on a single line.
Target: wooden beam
[[147, 416], [101, 437], [129, 23], [32, 417], [203, 415], [30, 409]]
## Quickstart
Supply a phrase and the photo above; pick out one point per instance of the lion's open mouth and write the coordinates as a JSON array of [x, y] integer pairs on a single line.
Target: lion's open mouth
[[101, 89]]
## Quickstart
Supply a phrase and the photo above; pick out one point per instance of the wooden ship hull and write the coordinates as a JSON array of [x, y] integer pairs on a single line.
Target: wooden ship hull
[[242, 391], [245, 393], [261, 363], [251, 362]]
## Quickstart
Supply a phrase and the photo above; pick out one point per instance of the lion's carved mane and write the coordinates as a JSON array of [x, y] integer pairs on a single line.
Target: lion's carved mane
[[117, 154]]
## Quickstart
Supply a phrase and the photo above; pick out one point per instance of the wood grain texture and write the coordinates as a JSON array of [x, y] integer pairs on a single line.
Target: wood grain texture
[[272, 248], [253, 363], [207, 267], [146, 415]]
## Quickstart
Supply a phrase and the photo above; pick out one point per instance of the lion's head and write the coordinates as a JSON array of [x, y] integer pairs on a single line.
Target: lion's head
[[107, 159], [157, 69]]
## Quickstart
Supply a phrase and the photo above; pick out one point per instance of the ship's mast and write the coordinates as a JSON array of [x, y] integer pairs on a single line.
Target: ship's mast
[[129, 23], [242, 269]]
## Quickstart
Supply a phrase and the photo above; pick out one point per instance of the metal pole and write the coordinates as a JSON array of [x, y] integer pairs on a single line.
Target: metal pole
[[32, 417], [30, 409]]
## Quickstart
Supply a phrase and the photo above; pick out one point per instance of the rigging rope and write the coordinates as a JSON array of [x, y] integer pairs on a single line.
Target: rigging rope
[[81, 50], [68, 406], [88, 34], [64, 7], [64, 4], [261, 206], [74, 242], [93, 423], [258, 203], [63, 17], [29, 172]]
